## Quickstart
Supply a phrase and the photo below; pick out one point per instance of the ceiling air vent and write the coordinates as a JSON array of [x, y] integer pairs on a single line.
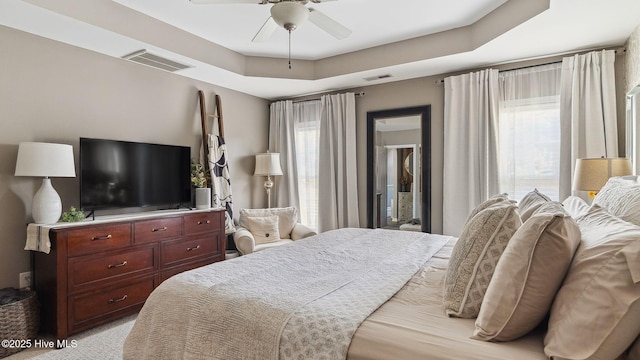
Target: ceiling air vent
[[378, 77], [146, 58]]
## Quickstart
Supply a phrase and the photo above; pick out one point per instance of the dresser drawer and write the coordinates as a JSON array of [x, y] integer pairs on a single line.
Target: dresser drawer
[[176, 251], [87, 306], [157, 229], [203, 222], [84, 270], [98, 238]]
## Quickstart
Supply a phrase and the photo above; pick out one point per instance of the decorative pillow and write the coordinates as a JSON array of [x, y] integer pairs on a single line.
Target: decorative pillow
[[634, 350], [595, 313], [528, 275], [287, 218], [474, 258], [485, 204], [621, 197], [264, 229], [531, 202], [575, 206]]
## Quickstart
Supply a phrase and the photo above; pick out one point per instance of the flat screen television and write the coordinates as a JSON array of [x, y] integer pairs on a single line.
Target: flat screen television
[[121, 174]]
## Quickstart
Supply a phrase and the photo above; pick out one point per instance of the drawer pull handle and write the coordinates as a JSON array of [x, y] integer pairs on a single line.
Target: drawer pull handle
[[111, 301], [193, 248], [106, 237], [204, 222], [164, 228], [112, 266]]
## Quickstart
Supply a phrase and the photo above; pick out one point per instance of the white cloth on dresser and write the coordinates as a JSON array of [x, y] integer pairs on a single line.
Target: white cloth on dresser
[[38, 238]]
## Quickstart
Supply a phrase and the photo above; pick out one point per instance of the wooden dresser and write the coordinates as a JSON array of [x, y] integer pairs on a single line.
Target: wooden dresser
[[99, 271]]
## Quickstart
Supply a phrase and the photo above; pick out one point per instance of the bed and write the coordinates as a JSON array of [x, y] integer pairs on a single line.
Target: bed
[[368, 294]]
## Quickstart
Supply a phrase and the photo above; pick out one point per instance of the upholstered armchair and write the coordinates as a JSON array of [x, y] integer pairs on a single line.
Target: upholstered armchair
[[260, 229]]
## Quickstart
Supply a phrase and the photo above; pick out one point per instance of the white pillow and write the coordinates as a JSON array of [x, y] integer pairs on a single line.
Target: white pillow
[[263, 228], [595, 313], [287, 218], [575, 206], [621, 197]]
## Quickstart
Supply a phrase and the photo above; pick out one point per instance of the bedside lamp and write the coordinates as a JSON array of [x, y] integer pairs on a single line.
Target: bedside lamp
[[591, 174], [268, 164], [45, 160]]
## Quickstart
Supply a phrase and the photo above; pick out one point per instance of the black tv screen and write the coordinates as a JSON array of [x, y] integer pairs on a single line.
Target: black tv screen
[[120, 174]]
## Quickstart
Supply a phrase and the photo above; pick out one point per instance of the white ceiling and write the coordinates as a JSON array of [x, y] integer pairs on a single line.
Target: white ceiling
[[402, 38]]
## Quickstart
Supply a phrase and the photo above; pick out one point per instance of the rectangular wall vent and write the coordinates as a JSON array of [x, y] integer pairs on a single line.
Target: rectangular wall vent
[[146, 58], [378, 77]]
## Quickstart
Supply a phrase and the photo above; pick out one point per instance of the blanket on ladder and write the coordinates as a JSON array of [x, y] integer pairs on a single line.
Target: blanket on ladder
[[303, 300]]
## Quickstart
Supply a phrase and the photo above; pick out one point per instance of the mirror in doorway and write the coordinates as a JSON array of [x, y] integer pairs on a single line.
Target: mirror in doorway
[[397, 168]]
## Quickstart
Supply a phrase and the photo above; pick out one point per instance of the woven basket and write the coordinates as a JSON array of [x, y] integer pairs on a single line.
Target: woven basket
[[19, 321]]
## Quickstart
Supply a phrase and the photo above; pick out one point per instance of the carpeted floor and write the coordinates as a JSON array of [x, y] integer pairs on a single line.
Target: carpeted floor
[[102, 343]]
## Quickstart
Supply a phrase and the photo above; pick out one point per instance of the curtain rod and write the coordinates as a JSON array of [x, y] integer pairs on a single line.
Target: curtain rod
[[441, 81], [618, 51], [361, 93]]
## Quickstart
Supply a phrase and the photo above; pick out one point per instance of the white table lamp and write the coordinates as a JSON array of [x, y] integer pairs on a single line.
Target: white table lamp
[[268, 164], [45, 160], [591, 174]]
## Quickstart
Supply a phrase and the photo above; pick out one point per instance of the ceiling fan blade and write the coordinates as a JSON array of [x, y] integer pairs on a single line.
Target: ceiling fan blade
[[215, 2], [328, 24], [320, 1], [265, 31]]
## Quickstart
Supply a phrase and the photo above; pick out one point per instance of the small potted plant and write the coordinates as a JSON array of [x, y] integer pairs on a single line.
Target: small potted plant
[[73, 215], [199, 181]]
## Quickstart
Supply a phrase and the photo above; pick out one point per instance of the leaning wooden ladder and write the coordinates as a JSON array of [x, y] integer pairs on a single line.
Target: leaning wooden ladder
[[204, 117]]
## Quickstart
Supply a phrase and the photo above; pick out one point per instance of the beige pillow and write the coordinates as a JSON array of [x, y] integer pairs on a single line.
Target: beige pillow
[[474, 258], [528, 275], [634, 350], [621, 197], [596, 312], [575, 206], [263, 228], [485, 204], [287, 218], [531, 202]]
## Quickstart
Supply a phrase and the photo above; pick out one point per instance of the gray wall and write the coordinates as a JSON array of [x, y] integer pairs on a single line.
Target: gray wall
[[53, 92]]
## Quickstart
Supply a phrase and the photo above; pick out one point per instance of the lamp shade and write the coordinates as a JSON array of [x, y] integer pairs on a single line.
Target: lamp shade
[[45, 160], [592, 174], [268, 164]]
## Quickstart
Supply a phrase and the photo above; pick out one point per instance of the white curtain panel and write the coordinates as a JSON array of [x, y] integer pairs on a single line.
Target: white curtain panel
[[282, 140], [587, 111], [470, 145], [338, 183]]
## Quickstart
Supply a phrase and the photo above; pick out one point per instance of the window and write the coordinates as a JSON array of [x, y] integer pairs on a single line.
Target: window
[[529, 131], [307, 135]]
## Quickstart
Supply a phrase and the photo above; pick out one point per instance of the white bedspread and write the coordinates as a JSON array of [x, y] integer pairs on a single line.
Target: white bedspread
[[294, 301]]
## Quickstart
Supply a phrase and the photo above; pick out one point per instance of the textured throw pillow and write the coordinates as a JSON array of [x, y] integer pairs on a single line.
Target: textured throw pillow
[[621, 197], [485, 204], [596, 312], [287, 218], [528, 275], [634, 350], [474, 258], [575, 206], [531, 202], [263, 228]]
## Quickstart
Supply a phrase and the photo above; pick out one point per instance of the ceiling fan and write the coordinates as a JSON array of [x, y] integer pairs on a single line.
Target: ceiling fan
[[289, 14]]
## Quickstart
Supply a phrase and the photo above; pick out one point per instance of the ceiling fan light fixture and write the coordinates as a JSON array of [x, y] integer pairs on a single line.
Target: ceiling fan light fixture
[[289, 14]]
